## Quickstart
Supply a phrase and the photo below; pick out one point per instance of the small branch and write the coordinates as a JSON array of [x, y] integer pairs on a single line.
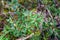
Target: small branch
[[51, 16], [24, 38]]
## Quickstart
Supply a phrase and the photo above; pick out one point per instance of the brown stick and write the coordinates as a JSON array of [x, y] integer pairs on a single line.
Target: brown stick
[[24, 38]]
